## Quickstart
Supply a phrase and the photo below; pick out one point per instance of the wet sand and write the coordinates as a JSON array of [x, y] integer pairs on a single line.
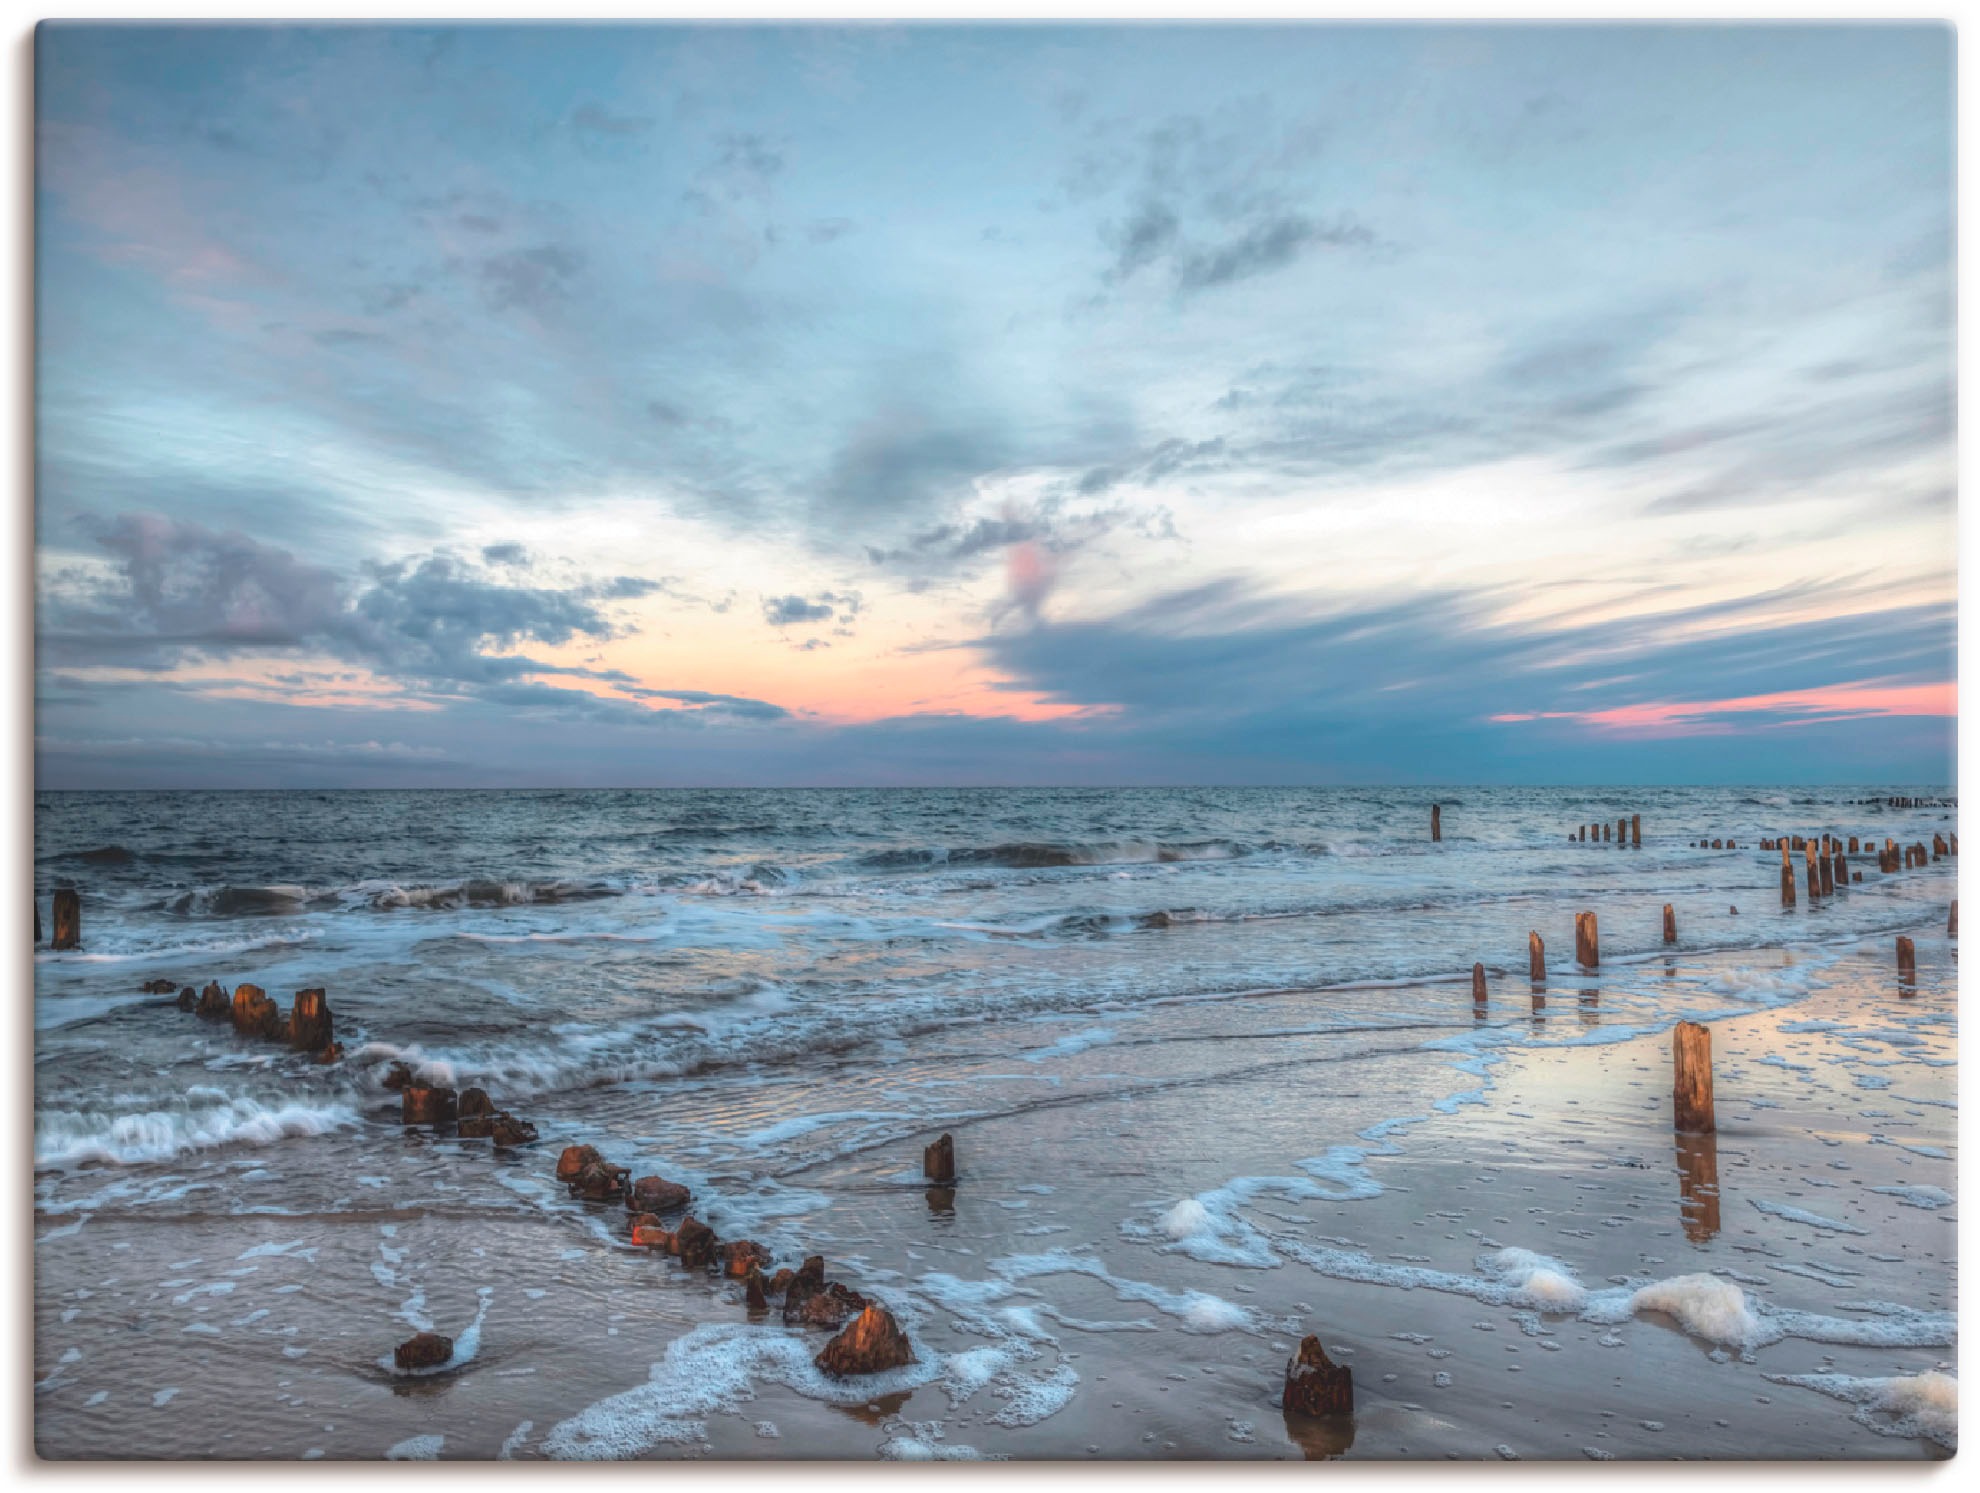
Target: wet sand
[[1132, 1255]]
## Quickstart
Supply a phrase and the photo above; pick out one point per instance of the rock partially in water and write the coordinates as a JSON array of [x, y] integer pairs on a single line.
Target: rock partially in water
[[213, 1002], [476, 1102], [188, 999], [829, 1306], [426, 1104], [397, 1076], [648, 1232], [753, 1298], [310, 1024], [657, 1195], [160, 987], [427, 1350], [1315, 1385], [742, 1257], [573, 1160], [938, 1161], [509, 1131], [475, 1127], [781, 1281], [872, 1344], [255, 1013], [600, 1182], [696, 1244]]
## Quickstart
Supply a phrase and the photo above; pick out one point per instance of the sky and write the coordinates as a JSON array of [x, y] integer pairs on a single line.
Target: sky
[[599, 406]]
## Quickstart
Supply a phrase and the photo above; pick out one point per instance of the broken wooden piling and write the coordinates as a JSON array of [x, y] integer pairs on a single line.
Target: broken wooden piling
[[1691, 1071], [1436, 821], [938, 1160], [1907, 961], [66, 917], [1587, 941], [1478, 992], [1536, 958], [1670, 924], [1636, 831]]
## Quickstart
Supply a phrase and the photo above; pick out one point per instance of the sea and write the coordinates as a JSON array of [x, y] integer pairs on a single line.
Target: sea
[[779, 997]]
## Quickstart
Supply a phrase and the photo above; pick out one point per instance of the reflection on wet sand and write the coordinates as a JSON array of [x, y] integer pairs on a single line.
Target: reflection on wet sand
[[879, 1410], [1591, 1006], [1698, 1186], [941, 1199], [1322, 1437]]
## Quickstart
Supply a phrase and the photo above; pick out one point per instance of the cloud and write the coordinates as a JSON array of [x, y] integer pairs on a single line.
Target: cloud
[[537, 280], [790, 611], [1263, 246]]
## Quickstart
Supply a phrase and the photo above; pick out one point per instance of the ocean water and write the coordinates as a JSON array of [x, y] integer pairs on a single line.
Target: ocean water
[[751, 989]]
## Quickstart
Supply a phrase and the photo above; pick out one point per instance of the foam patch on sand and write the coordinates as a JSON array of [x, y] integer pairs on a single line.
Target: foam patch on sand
[[1922, 1405], [1197, 1311], [1918, 1197], [714, 1368], [1803, 1216]]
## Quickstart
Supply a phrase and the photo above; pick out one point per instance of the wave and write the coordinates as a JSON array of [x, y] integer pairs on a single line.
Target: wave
[[1032, 855], [203, 1120], [489, 893]]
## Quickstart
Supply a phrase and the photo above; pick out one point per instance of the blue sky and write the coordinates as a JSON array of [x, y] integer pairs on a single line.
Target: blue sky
[[948, 404]]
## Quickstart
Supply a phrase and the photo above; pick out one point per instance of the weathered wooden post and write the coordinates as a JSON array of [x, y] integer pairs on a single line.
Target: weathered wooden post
[[1315, 1385], [1605, 831], [66, 915], [1952, 920], [1852, 844], [1814, 875], [1787, 883], [1636, 832], [1622, 831], [1839, 867], [1536, 958], [938, 1161], [1436, 822], [1907, 961], [1478, 993], [1587, 941], [1670, 924], [1828, 868], [1691, 1093]]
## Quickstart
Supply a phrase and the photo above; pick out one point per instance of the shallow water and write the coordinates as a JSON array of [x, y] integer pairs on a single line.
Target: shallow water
[[1212, 1005]]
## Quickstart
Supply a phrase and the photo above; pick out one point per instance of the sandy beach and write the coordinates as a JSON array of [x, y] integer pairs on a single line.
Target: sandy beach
[[1526, 1265]]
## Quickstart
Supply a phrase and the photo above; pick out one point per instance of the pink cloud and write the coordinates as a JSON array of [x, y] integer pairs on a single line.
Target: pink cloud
[[1854, 701]]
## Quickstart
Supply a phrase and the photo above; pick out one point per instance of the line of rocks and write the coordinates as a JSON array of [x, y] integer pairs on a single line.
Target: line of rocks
[[471, 1113], [308, 1026]]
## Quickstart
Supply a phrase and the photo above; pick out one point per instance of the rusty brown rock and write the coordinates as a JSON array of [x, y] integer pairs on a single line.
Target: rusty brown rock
[[334, 1053], [254, 1013], [871, 1344], [506, 1130], [397, 1076], [741, 1256], [427, 1350], [475, 1127], [599, 1182], [476, 1102], [658, 1195], [310, 1026], [426, 1104], [753, 1297], [160, 987], [938, 1160], [696, 1244], [649, 1233], [213, 1002], [1315, 1384], [829, 1306], [781, 1281], [188, 999], [573, 1160]]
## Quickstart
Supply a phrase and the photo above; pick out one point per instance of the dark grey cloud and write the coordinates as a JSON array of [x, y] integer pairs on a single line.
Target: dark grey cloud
[[791, 611], [536, 280], [1268, 244]]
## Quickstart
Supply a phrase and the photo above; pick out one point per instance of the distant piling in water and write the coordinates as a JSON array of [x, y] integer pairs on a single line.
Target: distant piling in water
[[1636, 832], [1478, 991], [1691, 1072], [1587, 941], [1952, 920], [1670, 923], [66, 916], [1907, 961], [1436, 822], [1536, 957]]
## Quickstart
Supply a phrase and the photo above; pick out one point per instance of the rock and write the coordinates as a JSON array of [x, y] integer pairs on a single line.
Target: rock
[[600, 1182], [1315, 1385], [427, 1350], [334, 1053], [476, 1102], [648, 1232], [254, 1013], [872, 1344], [657, 1195], [741, 1256], [213, 1002], [695, 1243], [509, 1131], [309, 1021], [781, 1281], [475, 1127], [188, 999], [811, 1274], [938, 1162], [753, 1297], [574, 1160], [397, 1076], [829, 1306], [160, 987], [426, 1104]]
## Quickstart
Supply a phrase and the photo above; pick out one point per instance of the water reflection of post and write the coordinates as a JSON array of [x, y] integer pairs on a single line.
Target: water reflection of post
[[1322, 1437], [1591, 1006], [1698, 1186]]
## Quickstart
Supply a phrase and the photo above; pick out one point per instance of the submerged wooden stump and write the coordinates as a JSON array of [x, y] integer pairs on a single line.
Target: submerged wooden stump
[[938, 1161], [1907, 960], [66, 914], [1587, 941], [310, 1023], [1691, 1092], [1315, 1384]]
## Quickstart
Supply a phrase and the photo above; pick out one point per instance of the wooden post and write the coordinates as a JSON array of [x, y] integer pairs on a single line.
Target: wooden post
[[1907, 958], [1636, 832], [1952, 920], [1852, 844], [1605, 830], [1839, 867], [1478, 984], [1670, 924], [1436, 822], [1622, 831], [1814, 876], [938, 1161], [1315, 1385], [1787, 883], [1536, 956], [1587, 941], [1828, 876], [1691, 1093], [67, 919]]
